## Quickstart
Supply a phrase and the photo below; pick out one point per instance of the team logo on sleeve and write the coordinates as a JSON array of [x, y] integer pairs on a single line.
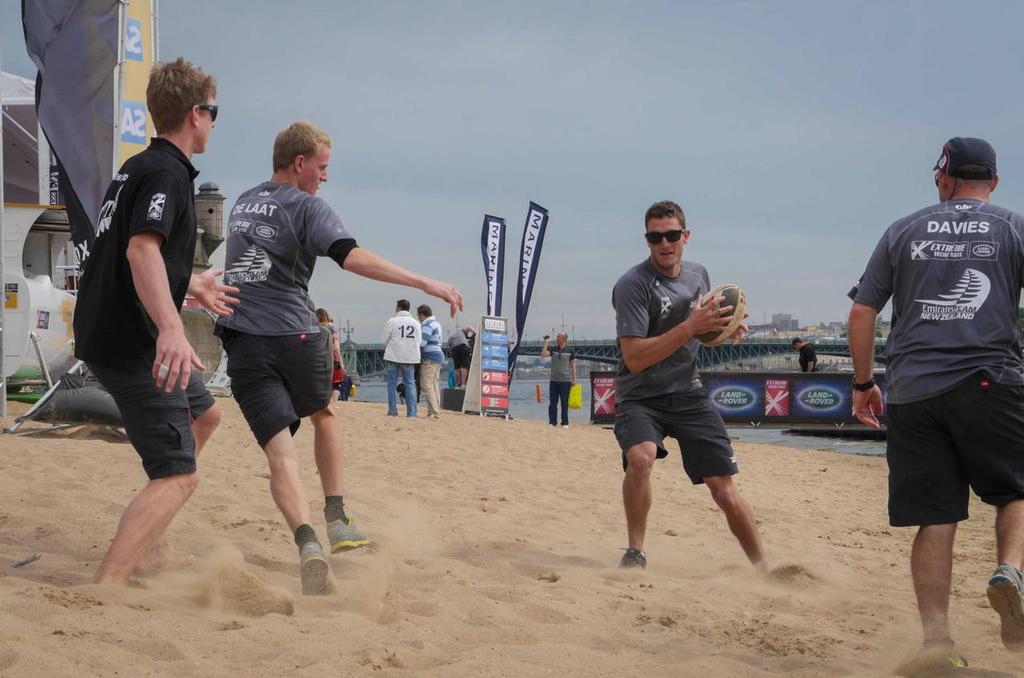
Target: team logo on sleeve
[[156, 206], [252, 266], [962, 301]]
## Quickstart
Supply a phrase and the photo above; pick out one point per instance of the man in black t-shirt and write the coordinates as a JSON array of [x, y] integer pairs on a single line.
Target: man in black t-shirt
[[136, 272], [808, 358]]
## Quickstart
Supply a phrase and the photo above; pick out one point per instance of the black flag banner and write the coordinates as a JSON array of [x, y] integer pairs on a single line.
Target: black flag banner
[[74, 44], [492, 247], [529, 260]]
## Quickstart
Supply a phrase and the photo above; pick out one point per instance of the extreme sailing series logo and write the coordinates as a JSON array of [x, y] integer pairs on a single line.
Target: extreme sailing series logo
[[962, 301]]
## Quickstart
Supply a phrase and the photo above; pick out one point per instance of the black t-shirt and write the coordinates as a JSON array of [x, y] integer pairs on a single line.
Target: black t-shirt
[[153, 191], [808, 356]]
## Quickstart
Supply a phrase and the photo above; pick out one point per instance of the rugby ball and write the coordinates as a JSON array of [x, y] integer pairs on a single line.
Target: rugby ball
[[733, 296]]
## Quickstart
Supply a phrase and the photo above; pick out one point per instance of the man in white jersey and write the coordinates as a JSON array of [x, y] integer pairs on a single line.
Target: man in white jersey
[[279, 358], [955, 379]]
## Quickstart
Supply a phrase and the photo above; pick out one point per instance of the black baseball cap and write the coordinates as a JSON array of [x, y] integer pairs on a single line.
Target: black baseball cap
[[967, 158]]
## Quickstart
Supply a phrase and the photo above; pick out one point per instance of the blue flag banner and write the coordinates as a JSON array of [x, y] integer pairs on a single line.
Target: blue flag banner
[[529, 260], [492, 246]]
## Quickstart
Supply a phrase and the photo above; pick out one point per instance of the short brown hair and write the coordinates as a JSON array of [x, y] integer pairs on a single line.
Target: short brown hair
[[424, 310], [174, 88], [299, 138], [663, 209]]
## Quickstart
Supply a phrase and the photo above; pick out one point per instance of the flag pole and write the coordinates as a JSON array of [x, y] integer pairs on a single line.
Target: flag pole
[[3, 287]]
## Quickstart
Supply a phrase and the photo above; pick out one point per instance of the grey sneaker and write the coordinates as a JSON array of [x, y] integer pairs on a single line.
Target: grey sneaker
[[343, 536], [1005, 590], [633, 558], [314, 570]]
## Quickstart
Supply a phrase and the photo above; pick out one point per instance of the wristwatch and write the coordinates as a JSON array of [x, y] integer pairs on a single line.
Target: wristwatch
[[866, 386]]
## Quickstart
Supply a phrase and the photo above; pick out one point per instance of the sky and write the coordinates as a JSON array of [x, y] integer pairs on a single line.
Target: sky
[[792, 133]]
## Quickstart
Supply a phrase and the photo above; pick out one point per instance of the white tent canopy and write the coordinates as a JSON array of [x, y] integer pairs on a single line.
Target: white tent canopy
[[22, 180]]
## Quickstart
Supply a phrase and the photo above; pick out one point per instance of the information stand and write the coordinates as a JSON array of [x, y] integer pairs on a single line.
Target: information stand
[[487, 387]]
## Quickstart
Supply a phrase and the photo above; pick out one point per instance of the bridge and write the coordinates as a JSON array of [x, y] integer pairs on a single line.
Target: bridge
[[370, 357]]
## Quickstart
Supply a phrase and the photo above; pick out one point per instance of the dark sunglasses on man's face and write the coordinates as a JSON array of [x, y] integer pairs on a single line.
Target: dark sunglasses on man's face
[[212, 108], [655, 237]]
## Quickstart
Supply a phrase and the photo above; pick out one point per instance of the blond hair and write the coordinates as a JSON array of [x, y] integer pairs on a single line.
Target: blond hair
[[174, 88], [299, 138]]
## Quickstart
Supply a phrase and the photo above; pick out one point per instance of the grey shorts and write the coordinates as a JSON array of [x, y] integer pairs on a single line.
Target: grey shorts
[[691, 420], [158, 424], [279, 380]]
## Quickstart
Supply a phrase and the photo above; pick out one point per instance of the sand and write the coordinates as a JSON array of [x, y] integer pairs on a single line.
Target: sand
[[494, 554]]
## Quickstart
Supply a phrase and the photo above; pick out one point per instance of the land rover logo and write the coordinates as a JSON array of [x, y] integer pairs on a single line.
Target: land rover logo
[[733, 397], [983, 249], [265, 231], [820, 397]]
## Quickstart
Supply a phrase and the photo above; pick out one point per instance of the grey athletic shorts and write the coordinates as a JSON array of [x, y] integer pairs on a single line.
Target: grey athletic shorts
[[279, 380], [158, 424], [691, 420]]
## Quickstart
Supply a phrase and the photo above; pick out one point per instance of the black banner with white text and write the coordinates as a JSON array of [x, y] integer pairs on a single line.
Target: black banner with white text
[[492, 247], [529, 261]]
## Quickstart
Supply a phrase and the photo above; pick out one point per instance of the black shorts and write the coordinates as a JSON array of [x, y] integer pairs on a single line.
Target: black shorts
[[691, 420], [279, 380], [970, 437], [462, 356], [158, 424]]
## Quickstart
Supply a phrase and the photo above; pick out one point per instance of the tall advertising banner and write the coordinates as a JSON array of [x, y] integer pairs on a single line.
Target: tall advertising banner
[[74, 45], [492, 246], [529, 260], [487, 385], [137, 57]]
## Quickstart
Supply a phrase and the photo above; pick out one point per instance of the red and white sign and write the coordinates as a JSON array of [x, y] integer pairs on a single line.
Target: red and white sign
[[602, 397], [776, 397], [489, 389], [494, 377]]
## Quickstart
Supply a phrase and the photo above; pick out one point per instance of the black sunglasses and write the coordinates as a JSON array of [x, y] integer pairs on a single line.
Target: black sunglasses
[[655, 237], [212, 108]]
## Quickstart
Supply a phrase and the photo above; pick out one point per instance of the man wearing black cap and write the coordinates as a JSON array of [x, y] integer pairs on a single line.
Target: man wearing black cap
[[955, 379]]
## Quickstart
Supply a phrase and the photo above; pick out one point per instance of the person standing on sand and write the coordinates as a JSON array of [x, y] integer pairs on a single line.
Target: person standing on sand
[[658, 392], [128, 330], [955, 378], [279, 358], [563, 376]]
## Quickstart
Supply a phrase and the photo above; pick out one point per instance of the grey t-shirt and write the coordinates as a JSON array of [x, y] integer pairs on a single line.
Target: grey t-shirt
[[561, 359], [954, 272], [275, 234], [648, 304]]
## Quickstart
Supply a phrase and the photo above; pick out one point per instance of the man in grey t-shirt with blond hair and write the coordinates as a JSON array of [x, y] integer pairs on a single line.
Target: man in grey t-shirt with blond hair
[[954, 272], [279, 358]]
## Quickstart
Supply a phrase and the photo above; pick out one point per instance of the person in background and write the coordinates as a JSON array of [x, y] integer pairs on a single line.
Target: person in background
[[462, 354], [808, 358], [401, 340], [338, 370], [563, 376], [431, 359]]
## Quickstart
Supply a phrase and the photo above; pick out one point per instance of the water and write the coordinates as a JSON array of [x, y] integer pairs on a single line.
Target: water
[[523, 405]]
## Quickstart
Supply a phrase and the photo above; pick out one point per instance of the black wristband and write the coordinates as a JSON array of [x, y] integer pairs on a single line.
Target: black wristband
[[866, 386]]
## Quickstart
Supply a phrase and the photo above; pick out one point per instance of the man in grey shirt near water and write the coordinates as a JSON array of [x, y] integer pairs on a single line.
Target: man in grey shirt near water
[[658, 392], [279, 357], [563, 376], [954, 272]]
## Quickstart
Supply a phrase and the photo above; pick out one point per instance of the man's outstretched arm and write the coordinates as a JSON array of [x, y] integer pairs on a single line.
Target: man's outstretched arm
[[375, 267]]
